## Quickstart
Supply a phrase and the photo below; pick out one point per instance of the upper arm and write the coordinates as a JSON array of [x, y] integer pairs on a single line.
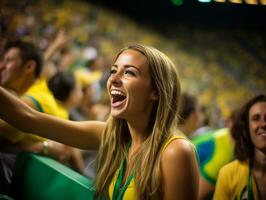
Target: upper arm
[[180, 171]]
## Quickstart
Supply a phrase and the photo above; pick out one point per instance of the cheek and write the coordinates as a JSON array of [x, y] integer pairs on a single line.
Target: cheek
[[13, 71], [141, 91], [252, 127], [252, 132]]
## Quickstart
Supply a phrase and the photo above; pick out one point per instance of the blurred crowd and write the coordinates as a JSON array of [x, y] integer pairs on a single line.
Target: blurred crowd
[[78, 41], [221, 67]]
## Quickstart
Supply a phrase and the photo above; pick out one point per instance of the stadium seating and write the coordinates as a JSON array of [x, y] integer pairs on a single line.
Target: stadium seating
[[42, 178]]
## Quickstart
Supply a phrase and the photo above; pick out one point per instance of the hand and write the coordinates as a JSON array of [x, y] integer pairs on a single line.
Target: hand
[[55, 150], [59, 152], [61, 39]]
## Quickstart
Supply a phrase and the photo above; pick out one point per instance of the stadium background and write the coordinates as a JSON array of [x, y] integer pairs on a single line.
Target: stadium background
[[219, 48]]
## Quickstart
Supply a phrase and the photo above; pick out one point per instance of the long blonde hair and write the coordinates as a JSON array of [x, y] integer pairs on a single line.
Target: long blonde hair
[[146, 167]]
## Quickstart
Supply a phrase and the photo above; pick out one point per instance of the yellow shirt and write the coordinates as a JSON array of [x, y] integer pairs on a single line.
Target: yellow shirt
[[130, 193], [232, 182], [45, 102]]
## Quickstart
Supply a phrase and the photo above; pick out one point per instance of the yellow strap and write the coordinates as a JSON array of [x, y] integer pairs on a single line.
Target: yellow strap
[[174, 137]]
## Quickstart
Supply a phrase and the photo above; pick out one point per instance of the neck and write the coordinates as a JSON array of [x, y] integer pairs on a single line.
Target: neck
[[138, 135], [21, 88], [259, 162], [138, 128]]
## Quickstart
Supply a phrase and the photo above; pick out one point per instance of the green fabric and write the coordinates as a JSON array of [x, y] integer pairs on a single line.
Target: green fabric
[[120, 189], [42, 178], [250, 192], [36, 103]]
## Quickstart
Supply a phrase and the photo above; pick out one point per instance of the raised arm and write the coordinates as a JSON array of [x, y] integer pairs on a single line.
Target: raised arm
[[180, 171], [85, 135], [60, 41]]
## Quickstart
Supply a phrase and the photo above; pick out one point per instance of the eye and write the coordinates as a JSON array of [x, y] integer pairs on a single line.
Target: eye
[[129, 72], [255, 118], [112, 71]]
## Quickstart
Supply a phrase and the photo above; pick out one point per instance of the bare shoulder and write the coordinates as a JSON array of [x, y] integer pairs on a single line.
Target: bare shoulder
[[180, 171], [178, 149]]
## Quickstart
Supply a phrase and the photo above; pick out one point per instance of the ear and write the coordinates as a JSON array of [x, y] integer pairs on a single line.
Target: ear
[[154, 95], [30, 66]]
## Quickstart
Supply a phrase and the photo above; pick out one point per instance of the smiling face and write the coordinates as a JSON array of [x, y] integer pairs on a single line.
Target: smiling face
[[129, 86], [257, 126]]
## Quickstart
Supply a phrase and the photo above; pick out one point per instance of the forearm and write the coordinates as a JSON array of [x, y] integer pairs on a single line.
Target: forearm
[[60, 41], [85, 135], [14, 111], [10, 133], [49, 52]]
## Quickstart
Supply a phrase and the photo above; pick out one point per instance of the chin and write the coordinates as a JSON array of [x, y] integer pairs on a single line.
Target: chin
[[117, 115]]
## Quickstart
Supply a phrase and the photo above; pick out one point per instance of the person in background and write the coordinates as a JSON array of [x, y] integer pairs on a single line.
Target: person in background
[[68, 95], [190, 115], [141, 156], [21, 65], [214, 148], [245, 177], [205, 125], [20, 69]]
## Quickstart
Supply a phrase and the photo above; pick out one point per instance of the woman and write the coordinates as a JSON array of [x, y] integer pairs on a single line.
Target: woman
[[140, 157], [245, 178]]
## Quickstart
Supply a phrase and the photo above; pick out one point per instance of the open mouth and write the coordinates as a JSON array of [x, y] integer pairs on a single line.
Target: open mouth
[[117, 97]]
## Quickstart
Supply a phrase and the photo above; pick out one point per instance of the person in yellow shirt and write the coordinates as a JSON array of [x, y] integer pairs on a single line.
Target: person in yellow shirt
[[55, 97], [20, 68], [139, 140], [245, 178]]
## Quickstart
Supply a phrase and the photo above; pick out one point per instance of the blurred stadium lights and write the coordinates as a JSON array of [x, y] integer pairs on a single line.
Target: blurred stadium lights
[[236, 1], [205, 1], [177, 2], [251, 2]]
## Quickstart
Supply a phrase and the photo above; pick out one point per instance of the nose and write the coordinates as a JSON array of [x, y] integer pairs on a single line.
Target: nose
[[115, 79]]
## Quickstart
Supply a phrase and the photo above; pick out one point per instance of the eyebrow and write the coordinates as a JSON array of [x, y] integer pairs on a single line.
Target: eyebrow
[[127, 66]]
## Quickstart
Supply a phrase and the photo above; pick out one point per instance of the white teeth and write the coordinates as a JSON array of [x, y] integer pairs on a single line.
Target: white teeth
[[116, 92]]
